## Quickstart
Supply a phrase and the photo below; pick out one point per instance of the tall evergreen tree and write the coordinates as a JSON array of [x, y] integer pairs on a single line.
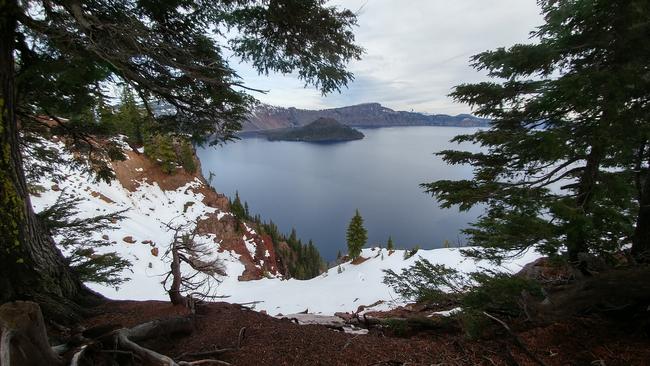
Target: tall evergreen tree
[[237, 208], [129, 119], [55, 55], [389, 244], [187, 156], [356, 235], [568, 138]]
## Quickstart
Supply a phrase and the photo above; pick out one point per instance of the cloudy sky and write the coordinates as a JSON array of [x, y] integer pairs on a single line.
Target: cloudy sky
[[416, 51]]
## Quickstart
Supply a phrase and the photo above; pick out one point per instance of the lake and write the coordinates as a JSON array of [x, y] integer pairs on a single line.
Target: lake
[[315, 188]]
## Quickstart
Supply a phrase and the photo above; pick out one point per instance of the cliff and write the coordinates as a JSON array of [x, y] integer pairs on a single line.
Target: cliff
[[153, 199], [266, 117]]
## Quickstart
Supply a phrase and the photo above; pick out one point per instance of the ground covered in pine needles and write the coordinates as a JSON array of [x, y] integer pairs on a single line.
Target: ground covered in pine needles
[[258, 339]]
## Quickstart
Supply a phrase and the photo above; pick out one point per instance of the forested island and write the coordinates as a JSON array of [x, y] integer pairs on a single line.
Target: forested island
[[321, 130]]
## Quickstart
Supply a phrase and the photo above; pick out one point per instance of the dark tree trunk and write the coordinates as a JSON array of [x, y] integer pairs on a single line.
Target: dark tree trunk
[[174, 292], [31, 267], [577, 233], [641, 239]]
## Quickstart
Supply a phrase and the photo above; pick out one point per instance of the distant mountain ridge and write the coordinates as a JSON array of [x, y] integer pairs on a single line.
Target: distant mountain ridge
[[266, 117]]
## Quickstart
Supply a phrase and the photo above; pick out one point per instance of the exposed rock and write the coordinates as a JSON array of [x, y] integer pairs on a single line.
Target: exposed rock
[[154, 252], [101, 197], [129, 239], [359, 260], [228, 230]]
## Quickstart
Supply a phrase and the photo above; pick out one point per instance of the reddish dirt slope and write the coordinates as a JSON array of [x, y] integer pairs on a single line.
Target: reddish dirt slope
[[271, 341], [229, 231]]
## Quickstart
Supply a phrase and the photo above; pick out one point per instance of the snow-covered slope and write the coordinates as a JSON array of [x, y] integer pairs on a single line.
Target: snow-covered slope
[[356, 285], [142, 238]]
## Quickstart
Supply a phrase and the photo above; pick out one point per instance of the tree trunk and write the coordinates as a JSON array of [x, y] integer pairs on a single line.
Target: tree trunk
[[174, 292], [24, 338], [31, 267], [577, 233], [641, 238]]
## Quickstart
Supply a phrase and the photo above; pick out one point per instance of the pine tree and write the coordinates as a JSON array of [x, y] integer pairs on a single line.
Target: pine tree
[[356, 235], [389, 244], [237, 208], [165, 153], [129, 118], [567, 110], [86, 45], [187, 156]]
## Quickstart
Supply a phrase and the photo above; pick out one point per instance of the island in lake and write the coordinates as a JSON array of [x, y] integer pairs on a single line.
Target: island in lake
[[321, 130]]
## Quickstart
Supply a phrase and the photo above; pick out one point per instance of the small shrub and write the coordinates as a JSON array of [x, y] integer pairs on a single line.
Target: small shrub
[[500, 292], [474, 323], [475, 293], [398, 327], [428, 282], [160, 148], [408, 253]]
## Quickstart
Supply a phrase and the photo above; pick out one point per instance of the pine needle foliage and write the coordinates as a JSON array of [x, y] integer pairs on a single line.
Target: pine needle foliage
[[475, 292], [76, 237], [565, 164], [389, 244], [357, 235]]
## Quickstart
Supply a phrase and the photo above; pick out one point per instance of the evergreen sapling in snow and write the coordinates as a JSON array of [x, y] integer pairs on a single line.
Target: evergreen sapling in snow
[[356, 236]]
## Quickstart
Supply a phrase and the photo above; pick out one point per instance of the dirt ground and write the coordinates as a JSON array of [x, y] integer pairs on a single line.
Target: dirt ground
[[271, 341]]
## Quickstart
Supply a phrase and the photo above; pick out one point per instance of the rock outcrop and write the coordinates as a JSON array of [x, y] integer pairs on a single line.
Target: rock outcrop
[[230, 233]]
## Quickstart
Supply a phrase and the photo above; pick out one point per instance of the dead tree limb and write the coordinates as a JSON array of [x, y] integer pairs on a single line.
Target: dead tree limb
[[518, 341], [204, 362], [215, 352], [127, 338]]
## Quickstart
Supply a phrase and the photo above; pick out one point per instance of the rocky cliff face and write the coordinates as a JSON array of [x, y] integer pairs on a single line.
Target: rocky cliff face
[[266, 117], [255, 252], [153, 199]]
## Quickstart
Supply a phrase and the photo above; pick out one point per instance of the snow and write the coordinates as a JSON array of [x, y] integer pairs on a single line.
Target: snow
[[356, 285], [449, 312], [150, 208], [250, 245]]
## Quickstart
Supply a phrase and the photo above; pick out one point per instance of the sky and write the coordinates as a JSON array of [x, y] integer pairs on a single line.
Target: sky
[[416, 52]]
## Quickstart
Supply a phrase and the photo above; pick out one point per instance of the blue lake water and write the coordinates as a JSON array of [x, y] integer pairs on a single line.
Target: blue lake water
[[315, 188]]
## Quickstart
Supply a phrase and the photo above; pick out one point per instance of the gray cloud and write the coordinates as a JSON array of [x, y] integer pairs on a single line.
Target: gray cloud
[[416, 52]]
